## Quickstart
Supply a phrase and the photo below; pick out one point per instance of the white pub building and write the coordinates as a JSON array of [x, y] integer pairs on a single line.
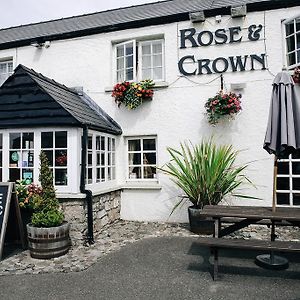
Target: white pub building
[[57, 79]]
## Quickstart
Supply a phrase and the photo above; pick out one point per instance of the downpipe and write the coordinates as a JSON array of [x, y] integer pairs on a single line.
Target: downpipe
[[88, 193]]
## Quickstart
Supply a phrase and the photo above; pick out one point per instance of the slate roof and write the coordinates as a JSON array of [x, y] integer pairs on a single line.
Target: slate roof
[[123, 18], [28, 98]]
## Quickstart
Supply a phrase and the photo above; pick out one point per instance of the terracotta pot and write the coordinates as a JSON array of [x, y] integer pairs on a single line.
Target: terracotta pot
[[198, 223]]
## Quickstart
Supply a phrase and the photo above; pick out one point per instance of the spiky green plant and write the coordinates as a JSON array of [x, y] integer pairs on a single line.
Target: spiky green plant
[[205, 172]]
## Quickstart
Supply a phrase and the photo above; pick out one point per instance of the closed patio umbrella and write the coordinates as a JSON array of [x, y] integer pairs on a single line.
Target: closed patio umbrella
[[283, 130], [282, 138]]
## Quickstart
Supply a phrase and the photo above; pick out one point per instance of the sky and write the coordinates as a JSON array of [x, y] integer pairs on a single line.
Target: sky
[[20, 12]]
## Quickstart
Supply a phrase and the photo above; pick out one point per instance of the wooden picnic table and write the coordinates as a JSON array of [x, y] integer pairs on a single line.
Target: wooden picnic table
[[243, 216]]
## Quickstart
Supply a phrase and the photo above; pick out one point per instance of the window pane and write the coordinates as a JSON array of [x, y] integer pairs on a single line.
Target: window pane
[[61, 177], [90, 159], [102, 143], [296, 199], [157, 60], [61, 139], [98, 159], [129, 74], [0, 161], [90, 175], [97, 142], [3, 68], [109, 159], [49, 155], [149, 172], [298, 40], [109, 144], [134, 158], [283, 199], [129, 62], [157, 73], [27, 159], [146, 63], [289, 28], [102, 174], [10, 67], [1, 142], [14, 158], [296, 184], [120, 76], [27, 141], [27, 175], [296, 155], [290, 43], [149, 158], [113, 144], [283, 168], [14, 175], [297, 24], [129, 49], [120, 63], [15, 140], [149, 144], [292, 58], [146, 49], [296, 168], [135, 172], [157, 48], [113, 159], [298, 56], [47, 140], [102, 159], [90, 142], [61, 158], [120, 51], [283, 183], [134, 145], [147, 74]]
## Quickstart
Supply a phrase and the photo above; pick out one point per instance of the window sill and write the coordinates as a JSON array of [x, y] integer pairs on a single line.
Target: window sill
[[141, 186], [158, 85]]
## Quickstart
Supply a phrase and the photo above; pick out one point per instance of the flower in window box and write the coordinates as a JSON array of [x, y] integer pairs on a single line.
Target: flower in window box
[[222, 105], [132, 94], [296, 75]]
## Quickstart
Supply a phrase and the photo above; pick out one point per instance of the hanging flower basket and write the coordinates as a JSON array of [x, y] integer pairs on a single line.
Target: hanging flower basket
[[296, 75], [132, 94], [222, 105]]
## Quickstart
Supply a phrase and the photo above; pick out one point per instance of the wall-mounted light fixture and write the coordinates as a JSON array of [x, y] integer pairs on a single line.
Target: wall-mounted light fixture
[[218, 18], [40, 45], [197, 16], [238, 11]]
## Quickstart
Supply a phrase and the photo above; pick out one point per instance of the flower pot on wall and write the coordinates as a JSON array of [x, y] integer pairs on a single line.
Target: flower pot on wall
[[46, 243], [198, 223]]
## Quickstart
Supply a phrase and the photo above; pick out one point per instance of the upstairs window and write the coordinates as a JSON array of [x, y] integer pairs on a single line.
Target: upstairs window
[[6, 69], [292, 37], [139, 60]]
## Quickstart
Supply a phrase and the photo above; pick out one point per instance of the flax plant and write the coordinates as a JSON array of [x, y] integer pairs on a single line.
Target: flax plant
[[205, 172]]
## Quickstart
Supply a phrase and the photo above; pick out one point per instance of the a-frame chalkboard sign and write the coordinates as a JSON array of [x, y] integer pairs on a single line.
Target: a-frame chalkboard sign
[[10, 216]]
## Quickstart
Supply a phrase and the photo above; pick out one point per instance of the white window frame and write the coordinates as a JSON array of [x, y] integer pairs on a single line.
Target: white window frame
[[290, 176], [142, 165], [134, 60], [151, 42], [72, 164], [284, 40], [137, 58], [6, 62], [94, 185]]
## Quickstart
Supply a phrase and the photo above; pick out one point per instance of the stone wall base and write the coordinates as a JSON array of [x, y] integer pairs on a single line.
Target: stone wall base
[[106, 210]]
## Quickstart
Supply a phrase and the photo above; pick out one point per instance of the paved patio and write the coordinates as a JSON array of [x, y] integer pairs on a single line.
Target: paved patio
[[160, 268]]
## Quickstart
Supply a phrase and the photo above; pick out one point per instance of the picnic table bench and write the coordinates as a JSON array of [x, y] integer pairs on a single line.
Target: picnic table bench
[[241, 217]]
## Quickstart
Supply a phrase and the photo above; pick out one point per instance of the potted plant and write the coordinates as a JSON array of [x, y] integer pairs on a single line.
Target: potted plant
[[48, 234], [222, 105], [206, 173], [132, 94]]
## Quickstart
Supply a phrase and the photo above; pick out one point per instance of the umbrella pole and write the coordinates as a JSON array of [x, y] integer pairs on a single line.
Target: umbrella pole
[[274, 184]]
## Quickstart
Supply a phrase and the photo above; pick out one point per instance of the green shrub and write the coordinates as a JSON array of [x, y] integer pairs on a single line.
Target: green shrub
[[46, 206]]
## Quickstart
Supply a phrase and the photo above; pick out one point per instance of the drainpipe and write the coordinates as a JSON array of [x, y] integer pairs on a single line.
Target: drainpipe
[[88, 193]]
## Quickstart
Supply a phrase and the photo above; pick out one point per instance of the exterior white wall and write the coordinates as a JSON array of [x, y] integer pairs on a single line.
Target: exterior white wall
[[176, 113]]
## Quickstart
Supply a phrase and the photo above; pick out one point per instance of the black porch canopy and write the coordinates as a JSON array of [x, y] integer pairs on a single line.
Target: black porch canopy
[[29, 99]]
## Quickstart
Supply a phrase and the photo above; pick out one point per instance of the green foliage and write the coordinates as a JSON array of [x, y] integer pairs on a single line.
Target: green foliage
[[46, 205], [50, 218], [206, 172]]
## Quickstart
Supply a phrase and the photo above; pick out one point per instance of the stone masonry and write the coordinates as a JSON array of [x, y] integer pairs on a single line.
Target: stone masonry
[[106, 210]]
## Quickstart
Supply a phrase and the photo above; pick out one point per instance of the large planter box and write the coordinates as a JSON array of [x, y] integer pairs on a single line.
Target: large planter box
[[198, 223], [46, 243]]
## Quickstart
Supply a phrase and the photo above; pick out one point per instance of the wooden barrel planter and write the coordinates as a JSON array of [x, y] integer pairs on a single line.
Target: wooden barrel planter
[[198, 223], [46, 243]]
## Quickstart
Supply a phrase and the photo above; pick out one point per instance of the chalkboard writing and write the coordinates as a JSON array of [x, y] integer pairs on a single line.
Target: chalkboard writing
[[3, 201]]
